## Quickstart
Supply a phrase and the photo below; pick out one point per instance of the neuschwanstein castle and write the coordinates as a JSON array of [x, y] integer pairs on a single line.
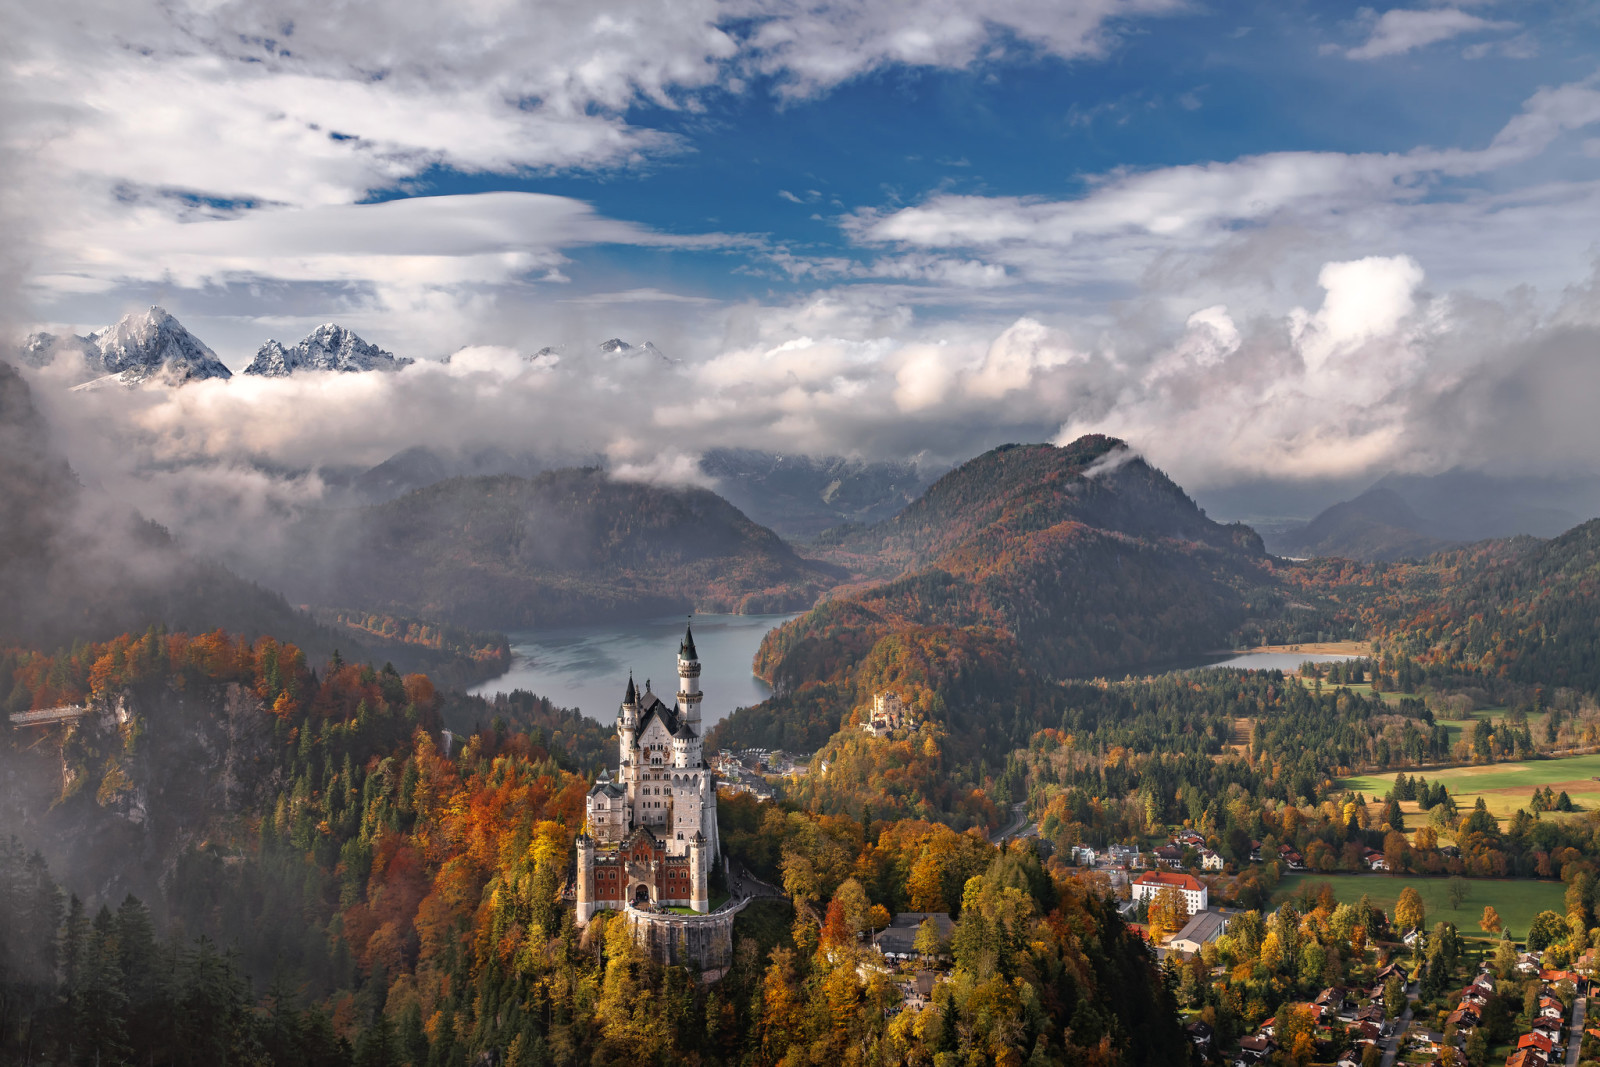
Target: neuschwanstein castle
[[651, 838]]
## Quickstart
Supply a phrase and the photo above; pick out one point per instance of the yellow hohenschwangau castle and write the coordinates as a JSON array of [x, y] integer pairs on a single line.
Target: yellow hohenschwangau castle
[[651, 838]]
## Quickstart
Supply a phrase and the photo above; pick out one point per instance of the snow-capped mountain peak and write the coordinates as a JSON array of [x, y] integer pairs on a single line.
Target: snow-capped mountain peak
[[41, 349], [149, 344], [618, 347], [330, 347]]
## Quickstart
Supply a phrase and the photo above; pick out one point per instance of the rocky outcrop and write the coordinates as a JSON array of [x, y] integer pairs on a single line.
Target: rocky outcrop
[[115, 799]]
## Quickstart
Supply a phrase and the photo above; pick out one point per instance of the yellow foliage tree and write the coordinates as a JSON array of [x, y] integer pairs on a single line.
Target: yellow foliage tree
[[1167, 912], [926, 884], [1272, 951], [1409, 914]]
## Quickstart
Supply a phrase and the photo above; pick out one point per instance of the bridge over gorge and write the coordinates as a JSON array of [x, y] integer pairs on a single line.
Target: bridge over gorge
[[42, 716]]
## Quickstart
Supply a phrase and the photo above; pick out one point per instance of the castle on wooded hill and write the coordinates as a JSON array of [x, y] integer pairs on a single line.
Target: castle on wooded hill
[[651, 838]]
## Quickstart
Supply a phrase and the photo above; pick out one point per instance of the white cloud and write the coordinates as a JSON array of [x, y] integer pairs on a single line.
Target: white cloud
[[1401, 30], [815, 46], [1131, 231], [1366, 298]]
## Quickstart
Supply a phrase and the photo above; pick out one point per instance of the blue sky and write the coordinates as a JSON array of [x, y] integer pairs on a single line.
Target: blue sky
[[1267, 243], [1200, 84]]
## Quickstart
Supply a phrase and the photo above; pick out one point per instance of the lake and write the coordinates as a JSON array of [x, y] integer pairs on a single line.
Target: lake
[[1278, 661], [586, 667]]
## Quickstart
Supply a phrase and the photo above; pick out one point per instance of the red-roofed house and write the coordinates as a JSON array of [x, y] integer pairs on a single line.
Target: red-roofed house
[[1194, 891], [1536, 1041]]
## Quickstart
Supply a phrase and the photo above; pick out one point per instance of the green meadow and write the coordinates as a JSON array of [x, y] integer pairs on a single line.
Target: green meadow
[[1504, 787], [1517, 900]]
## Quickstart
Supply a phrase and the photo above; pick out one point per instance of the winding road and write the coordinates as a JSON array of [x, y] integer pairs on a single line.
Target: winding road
[[1020, 826]]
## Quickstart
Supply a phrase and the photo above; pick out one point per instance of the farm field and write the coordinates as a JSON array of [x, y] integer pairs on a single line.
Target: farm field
[[1517, 900], [1504, 787]]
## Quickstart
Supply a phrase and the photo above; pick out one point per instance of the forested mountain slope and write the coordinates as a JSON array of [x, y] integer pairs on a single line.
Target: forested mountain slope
[[76, 566], [1016, 490], [1523, 611], [1026, 564], [564, 547]]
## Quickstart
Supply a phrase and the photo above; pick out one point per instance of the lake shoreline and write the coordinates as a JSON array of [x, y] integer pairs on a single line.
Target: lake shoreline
[[587, 667]]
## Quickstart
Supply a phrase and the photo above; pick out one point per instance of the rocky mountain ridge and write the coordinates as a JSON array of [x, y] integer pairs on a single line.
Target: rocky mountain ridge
[[330, 347]]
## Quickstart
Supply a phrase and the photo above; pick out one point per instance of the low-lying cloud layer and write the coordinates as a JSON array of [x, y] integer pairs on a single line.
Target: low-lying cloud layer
[[1378, 373]]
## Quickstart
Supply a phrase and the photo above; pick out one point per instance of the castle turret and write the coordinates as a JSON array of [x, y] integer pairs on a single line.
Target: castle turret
[[699, 875], [683, 743], [627, 722], [689, 680], [586, 900]]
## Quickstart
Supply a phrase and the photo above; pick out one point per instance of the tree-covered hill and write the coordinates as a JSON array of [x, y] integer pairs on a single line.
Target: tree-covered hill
[[1027, 564], [564, 547], [1016, 490], [1521, 611]]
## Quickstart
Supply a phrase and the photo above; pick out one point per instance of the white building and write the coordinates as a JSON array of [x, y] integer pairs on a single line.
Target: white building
[[1195, 895]]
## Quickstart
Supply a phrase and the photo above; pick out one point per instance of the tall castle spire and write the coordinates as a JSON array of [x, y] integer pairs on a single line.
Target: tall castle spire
[[689, 680]]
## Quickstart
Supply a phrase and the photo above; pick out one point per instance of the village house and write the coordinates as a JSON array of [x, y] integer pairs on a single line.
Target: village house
[[898, 941], [1203, 926], [1125, 856], [1195, 895]]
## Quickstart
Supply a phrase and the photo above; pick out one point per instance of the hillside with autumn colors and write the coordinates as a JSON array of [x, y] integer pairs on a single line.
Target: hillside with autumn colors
[[264, 862], [1028, 564], [1507, 615]]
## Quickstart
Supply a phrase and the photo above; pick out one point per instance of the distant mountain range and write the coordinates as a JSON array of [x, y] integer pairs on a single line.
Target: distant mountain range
[[1409, 516], [329, 347], [153, 346], [801, 496], [796, 496]]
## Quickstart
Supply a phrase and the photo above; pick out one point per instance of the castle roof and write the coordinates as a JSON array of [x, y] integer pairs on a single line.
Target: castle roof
[[607, 787], [632, 695], [684, 732], [652, 706], [686, 650]]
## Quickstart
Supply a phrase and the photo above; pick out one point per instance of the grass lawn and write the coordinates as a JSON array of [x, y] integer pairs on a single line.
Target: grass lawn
[[1517, 900], [1505, 787]]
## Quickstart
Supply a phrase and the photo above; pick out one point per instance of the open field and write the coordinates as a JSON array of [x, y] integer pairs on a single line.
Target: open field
[[1517, 900], [1321, 648], [1504, 787]]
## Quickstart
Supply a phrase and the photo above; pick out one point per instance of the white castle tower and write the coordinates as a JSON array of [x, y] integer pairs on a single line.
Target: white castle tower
[[651, 838]]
